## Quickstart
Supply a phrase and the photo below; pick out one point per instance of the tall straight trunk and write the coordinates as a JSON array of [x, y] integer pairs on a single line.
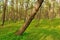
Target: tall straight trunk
[[26, 9], [12, 10], [34, 12], [16, 6], [20, 10], [51, 11], [16, 14], [26, 14], [4, 11]]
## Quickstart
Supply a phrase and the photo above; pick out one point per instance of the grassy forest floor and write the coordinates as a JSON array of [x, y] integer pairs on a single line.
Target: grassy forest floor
[[38, 30]]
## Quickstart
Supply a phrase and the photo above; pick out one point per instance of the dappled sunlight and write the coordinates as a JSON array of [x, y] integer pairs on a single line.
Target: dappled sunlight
[[29, 19], [44, 31]]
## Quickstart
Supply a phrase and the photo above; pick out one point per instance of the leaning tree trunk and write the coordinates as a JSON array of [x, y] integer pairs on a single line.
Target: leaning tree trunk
[[4, 11], [34, 12]]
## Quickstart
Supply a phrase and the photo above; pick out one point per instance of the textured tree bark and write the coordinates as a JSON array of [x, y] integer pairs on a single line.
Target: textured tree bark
[[34, 12], [4, 11]]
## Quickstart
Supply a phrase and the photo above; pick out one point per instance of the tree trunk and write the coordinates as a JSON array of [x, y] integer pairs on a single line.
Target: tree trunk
[[34, 12], [26, 9], [4, 11], [12, 11], [16, 14]]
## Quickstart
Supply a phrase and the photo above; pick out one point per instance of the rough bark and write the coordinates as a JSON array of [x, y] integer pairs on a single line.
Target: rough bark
[[34, 12]]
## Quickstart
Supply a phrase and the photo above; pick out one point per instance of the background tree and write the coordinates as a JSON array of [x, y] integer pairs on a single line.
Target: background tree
[[4, 9]]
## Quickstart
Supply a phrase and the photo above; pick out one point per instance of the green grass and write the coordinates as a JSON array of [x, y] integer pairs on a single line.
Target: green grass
[[38, 30]]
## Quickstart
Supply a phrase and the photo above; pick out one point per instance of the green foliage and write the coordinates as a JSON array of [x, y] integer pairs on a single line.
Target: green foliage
[[45, 30]]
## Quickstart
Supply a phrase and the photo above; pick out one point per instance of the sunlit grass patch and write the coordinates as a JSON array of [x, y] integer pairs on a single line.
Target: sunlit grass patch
[[37, 30]]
